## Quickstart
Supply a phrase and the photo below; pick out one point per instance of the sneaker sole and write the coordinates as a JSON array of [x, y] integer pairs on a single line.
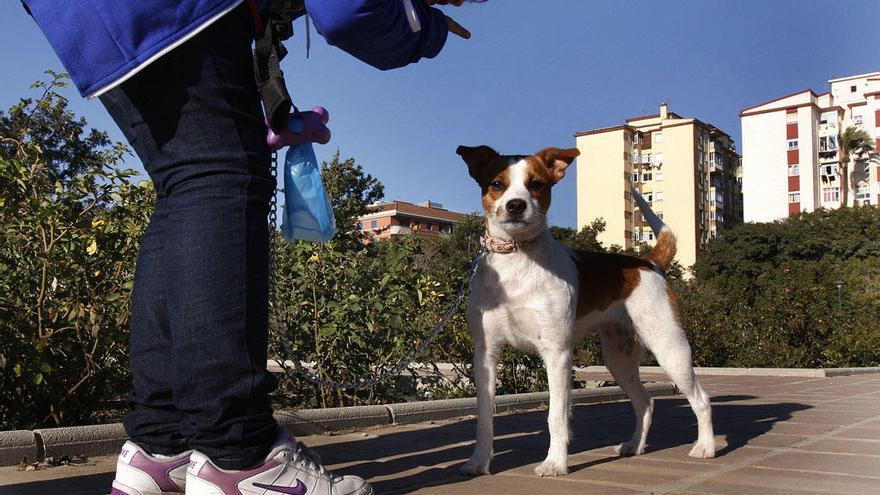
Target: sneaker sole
[[120, 489]]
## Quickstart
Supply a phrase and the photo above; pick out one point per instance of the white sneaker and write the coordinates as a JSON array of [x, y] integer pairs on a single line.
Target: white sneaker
[[291, 468], [139, 473]]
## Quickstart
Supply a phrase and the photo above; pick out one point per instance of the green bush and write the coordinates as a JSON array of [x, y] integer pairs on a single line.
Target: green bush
[[69, 236]]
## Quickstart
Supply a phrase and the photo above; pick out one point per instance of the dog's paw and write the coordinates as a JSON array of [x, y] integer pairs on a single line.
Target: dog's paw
[[629, 449], [551, 467], [703, 450], [475, 467]]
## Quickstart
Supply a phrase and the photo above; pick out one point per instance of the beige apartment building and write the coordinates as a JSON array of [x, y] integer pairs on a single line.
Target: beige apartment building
[[399, 217], [790, 151], [688, 170]]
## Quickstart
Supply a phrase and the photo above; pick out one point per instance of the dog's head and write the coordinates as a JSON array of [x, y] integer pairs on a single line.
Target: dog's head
[[516, 188]]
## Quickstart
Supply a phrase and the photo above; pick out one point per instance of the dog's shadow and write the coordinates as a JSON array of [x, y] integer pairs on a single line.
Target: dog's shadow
[[432, 456]]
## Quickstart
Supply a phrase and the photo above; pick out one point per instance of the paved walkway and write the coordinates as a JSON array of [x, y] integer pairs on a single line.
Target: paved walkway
[[776, 435]]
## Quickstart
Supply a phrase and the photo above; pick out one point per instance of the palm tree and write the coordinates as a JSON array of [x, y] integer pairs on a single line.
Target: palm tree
[[852, 141]]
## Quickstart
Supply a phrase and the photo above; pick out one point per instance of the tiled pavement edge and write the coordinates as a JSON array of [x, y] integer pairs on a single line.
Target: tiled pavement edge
[[776, 435]]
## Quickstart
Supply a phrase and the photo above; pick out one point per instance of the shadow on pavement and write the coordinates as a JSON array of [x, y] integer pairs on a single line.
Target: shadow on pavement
[[94, 484], [431, 456], [402, 461]]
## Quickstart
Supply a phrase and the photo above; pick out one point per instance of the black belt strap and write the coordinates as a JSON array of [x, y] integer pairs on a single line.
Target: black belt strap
[[269, 50]]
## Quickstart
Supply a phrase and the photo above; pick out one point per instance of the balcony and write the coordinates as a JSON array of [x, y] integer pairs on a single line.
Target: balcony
[[828, 129]]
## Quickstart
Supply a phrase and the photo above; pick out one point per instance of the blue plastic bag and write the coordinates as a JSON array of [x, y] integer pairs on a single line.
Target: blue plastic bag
[[308, 215]]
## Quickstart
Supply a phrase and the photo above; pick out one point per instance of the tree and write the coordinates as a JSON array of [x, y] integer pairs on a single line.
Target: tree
[[853, 141], [70, 226], [585, 239], [67, 148], [351, 193]]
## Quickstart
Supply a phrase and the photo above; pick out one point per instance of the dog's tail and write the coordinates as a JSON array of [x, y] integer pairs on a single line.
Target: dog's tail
[[665, 247]]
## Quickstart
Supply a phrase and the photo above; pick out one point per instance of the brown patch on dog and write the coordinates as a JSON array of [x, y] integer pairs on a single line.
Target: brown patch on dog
[[664, 250], [491, 194], [673, 301], [604, 278], [557, 160], [486, 166], [539, 182]]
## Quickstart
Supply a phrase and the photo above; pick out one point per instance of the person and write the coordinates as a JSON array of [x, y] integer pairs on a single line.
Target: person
[[177, 77]]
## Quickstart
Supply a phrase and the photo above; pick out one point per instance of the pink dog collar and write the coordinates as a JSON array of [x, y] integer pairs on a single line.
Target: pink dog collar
[[496, 245]]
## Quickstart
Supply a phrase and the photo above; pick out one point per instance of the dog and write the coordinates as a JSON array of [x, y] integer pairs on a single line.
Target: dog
[[533, 293]]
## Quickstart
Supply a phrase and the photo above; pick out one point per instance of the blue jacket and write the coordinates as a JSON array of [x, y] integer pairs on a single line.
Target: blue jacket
[[103, 42]]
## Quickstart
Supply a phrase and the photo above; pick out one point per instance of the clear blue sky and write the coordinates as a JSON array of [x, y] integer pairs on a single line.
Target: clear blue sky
[[534, 73]]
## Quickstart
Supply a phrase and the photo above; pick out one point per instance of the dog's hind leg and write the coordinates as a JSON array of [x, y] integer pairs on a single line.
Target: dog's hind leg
[[558, 363], [485, 362], [658, 326], [622, 354]]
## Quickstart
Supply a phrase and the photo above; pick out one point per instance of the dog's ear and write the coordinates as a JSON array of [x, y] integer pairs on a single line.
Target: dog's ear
[[557, 160], [478, 160]]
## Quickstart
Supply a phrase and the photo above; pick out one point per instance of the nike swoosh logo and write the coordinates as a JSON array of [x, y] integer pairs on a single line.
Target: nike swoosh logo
[[299, 489]]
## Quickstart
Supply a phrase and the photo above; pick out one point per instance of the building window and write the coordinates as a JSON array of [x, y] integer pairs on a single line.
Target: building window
[[852, 89], [404, 222], [828, 143], [646, 158], [658, 196], [658, 175], [646, 176], [660, 215], [649, 197], [794, 197], [831, 194], [658, 137], [429, 226], [636, 158], [858, 120], [636, 138], [829, 169], [658, 159], [360, 225], [374, 224], [635, 176], [863, 192], [793, 170], [792, 144]]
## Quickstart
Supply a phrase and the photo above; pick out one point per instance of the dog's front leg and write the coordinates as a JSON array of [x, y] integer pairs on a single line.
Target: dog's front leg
[[485, 362], [558, 363]]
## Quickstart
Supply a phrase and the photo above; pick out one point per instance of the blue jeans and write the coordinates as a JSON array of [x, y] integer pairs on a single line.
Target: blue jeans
[[199, 323]]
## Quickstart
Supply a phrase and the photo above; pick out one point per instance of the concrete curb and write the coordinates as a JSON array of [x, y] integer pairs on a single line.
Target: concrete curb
[[81, 440], [708, 371], [96, 440], [317, 421], [17, 444]]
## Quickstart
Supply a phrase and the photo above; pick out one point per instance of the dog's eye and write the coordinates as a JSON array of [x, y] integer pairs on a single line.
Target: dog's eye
[[497, 185], [536, 185]]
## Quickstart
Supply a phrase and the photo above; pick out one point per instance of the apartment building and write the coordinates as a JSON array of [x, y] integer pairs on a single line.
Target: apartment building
[[790, 149], [399, 217], [688, 170]]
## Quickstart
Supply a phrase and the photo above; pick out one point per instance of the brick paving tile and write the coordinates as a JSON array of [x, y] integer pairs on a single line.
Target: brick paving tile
[[845, 446], [860, 433], [519, 485], [825, 463], [756, 481]]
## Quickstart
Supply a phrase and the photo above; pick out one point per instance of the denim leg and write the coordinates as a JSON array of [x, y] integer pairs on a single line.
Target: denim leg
[[194, 118]]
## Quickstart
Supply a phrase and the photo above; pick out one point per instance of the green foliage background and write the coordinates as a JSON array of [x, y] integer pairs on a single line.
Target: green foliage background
[[71, 220]]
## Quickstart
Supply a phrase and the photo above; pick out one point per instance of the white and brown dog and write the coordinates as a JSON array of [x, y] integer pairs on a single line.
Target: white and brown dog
[[537, 295]]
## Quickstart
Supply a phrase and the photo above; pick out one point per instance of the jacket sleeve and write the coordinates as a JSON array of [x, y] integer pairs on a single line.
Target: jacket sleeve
[[377, 31]]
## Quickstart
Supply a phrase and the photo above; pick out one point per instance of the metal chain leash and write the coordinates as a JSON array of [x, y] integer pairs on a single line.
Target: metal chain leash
[[307, 374]]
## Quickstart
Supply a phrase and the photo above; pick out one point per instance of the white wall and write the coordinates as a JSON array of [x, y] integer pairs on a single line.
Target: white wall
[[765, 167]]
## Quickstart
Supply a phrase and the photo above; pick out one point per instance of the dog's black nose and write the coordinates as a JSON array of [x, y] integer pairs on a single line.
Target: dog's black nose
[[516, 206]]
